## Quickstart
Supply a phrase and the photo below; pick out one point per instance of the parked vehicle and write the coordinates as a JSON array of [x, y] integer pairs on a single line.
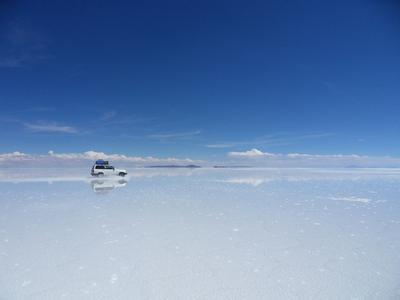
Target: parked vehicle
[[103, 168]]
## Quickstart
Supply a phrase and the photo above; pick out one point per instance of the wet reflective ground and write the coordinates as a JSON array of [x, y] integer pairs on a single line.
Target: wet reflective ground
[[200, 234]]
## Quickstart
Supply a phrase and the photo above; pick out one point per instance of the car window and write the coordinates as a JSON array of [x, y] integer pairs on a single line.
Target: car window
[[99, 167]]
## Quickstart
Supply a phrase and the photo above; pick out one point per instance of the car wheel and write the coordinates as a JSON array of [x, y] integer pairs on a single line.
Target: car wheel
[[100, 174]]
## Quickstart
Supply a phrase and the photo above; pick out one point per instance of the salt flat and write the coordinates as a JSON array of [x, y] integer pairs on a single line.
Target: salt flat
[[200, 234]]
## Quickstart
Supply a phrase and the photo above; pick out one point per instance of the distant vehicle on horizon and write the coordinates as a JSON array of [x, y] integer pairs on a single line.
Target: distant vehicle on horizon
[[102, 168]]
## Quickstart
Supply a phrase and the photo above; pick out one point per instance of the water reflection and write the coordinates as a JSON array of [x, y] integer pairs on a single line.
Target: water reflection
[[254, 177], [105, 186], [306, 233]]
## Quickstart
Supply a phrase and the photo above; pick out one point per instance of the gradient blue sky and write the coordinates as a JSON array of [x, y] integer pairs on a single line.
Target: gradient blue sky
[[200, 78]]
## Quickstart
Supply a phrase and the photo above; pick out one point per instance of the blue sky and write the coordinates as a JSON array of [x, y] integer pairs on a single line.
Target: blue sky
[[200, 79]]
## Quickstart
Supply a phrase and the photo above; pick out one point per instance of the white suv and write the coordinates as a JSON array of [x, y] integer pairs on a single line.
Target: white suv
[[101, 168]]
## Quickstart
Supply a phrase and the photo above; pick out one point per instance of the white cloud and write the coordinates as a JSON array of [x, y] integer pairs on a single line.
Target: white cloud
[[175, 135], [93, 155], [258, 153], [250, 153], [41, 126], [83, 159], [256, 157], [13, 156], [302, 155], [226, 145], [49, 127], [251, 158], [277, 139]]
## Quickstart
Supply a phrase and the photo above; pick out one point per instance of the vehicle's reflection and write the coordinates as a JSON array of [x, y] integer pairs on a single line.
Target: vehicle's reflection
[[105, 186]]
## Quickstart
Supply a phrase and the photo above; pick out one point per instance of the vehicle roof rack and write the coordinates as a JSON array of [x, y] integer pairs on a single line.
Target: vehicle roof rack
[[101, 162]]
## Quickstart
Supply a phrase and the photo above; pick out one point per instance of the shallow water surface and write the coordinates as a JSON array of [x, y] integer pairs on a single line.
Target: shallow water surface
[[201, 234]]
